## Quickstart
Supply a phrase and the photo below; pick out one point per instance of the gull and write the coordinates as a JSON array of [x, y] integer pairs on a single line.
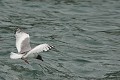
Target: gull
[[24, 49]]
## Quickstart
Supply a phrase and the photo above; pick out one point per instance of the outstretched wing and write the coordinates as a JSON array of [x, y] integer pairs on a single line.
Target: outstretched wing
[[39, 48], [22, 42]]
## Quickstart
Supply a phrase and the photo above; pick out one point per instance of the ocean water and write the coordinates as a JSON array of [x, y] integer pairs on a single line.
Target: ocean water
[[85, 33]]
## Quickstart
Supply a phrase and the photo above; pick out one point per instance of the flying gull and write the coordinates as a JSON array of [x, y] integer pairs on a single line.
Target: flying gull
[[24, 49]]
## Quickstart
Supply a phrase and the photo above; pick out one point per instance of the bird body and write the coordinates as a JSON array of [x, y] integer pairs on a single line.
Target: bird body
[[24, 49]]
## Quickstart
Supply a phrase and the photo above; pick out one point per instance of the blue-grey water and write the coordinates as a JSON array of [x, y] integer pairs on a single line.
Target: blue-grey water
[[85, 33]]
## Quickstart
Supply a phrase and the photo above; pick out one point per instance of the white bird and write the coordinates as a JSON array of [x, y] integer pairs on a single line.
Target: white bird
[[24, 49]]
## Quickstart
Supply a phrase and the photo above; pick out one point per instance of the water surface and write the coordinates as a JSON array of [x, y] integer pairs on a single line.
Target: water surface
[[85, 34]]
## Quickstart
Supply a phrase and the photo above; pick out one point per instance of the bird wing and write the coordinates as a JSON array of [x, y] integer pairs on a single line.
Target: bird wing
[[39, 48], [22, 42]]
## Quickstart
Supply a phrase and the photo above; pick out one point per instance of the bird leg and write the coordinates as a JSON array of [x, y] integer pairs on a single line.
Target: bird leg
[[25, 60]]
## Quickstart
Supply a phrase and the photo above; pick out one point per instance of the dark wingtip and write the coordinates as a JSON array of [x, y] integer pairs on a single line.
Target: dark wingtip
[[17, 29], [39, 57]]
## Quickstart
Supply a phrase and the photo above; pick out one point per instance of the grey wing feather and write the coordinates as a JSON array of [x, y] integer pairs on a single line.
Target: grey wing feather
[[22, 42], [25, 45]]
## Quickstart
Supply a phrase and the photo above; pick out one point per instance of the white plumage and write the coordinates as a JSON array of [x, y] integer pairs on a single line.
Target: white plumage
[[15, 55], [24, 49], [37, 49], [22, 41]]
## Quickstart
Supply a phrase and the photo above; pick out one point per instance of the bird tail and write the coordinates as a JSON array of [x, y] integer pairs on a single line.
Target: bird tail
[[15, 55]]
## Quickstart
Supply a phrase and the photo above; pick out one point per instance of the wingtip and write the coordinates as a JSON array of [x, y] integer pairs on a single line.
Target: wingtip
[[17, 30], [49, 47]]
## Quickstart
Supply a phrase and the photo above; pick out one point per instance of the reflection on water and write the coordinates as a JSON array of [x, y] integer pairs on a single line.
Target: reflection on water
[[85, 34]]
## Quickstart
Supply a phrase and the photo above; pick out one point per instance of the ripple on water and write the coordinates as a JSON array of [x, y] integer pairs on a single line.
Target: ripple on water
[[85, 35]]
